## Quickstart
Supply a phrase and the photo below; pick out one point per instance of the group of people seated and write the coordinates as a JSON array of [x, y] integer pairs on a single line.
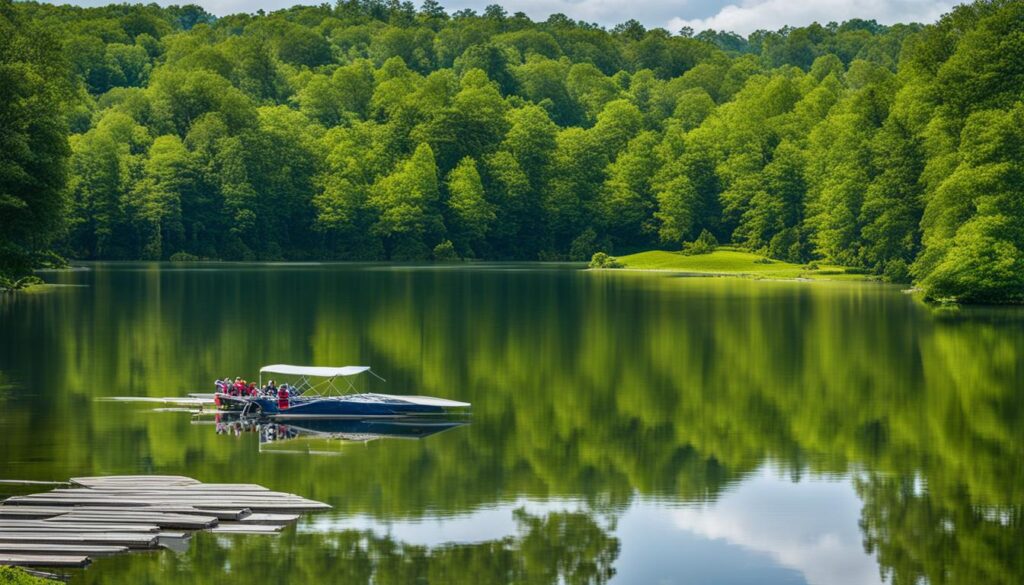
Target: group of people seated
[[240, 387]]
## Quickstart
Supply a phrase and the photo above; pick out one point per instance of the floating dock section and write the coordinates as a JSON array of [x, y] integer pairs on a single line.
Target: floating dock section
[[95, 516]]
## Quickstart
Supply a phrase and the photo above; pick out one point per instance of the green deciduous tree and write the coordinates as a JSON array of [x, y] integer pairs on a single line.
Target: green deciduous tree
[[406, 202], [974, 224], [874, 146], [157, 199], [471, 213], [627, 199], [34, 94]]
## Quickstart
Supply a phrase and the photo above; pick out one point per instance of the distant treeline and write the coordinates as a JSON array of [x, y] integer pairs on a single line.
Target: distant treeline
[[373, 130]]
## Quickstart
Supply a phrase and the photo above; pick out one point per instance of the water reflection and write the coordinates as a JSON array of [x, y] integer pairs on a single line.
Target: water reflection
[[549, 549], [632, 396], [325, 435]]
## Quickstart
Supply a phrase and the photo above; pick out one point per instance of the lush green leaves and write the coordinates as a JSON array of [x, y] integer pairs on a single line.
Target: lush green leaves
[[33, 141], [305, 133]]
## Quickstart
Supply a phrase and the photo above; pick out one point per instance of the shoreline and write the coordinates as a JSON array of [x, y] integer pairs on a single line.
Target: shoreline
[[729, 261], [750, 275]]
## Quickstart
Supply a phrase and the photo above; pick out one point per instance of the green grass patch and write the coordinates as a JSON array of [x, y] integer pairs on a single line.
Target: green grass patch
[[733, 262], [16, 576]]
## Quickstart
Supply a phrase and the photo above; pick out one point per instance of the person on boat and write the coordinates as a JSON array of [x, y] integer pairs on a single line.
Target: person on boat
[[252, 390], [282, 397], [239, 387], [220, 386], [270, 389]]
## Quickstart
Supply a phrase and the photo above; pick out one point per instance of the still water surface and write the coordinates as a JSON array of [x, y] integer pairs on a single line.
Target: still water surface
[[626, 428]]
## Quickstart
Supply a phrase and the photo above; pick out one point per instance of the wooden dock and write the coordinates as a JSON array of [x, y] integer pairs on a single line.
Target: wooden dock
[[68, 561], [67, 526]]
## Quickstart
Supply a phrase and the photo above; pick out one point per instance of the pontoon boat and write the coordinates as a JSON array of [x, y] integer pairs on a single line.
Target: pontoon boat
[[324, 399]]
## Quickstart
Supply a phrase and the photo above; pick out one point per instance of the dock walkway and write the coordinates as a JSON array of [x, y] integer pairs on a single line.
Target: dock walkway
[[96, 516]]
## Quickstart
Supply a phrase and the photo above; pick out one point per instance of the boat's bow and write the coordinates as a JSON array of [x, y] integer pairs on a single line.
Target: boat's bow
[[426, 400]]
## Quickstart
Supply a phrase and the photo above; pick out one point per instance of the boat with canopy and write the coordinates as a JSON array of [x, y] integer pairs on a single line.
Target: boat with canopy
[[328, 392]]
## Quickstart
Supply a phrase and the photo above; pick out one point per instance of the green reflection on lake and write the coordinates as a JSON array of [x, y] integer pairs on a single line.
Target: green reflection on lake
[[597, 388]]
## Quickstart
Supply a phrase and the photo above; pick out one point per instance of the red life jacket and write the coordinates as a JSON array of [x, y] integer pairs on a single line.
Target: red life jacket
[[282, 398]]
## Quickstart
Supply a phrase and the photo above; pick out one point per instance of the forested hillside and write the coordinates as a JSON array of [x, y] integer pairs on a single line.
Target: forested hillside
[[375, 130], [35, 88]]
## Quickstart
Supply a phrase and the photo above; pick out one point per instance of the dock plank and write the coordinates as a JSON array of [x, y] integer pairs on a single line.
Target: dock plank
[[131, 539], [94, 496], [30, 482], [262, 505], [37, 512], [51, 526], [31, 512], [112, 514], [263, 518], [214, 488], [247, 529], [162, 520], [135, 479], [73, 549], [27, 560]]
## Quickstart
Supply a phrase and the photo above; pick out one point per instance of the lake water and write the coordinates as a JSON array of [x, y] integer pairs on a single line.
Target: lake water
[[626, 427]]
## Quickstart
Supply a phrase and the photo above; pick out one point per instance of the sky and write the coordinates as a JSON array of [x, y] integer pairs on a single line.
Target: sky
[[741, 16], [768, 530]]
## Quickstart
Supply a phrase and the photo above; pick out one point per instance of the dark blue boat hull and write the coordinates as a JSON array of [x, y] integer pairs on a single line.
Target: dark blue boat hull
[[414, 429], [337, 408]]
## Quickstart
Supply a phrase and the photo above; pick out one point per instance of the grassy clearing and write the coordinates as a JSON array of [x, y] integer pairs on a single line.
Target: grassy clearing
[[733, 262], [16, 576]]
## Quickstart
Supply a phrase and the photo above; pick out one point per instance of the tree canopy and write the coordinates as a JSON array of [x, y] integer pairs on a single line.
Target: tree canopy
[[373, 130]]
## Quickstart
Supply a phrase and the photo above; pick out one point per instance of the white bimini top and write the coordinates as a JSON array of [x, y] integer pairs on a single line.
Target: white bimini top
[[313, 371]]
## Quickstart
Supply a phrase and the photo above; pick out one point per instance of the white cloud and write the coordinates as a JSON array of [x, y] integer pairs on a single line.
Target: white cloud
[[608, 13], [742, 16], [810, 525], [750, 15]]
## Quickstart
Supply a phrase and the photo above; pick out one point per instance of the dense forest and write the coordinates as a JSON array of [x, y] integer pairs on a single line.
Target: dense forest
[[375, 130]]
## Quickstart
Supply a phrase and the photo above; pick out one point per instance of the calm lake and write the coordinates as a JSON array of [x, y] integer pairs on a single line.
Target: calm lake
[[626, 427]]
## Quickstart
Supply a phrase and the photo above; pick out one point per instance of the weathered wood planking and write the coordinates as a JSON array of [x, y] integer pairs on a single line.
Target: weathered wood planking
[[107, 515], [218, 514], [136, 501], [72, 549], [283, 504], [52, 526], [222, 514], [247, 529], [19, 560], [130, 539], [216, 488], [50, 511], [170, 496], [134, 480], [31, 512], [161, 520], [270, 518]]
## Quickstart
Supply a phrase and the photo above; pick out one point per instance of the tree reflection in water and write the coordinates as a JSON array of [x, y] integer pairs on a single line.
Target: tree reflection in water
[[595, 387], [559, 547]]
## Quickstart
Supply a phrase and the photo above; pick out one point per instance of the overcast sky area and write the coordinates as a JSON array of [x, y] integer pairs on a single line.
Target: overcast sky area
[[741, 16]]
